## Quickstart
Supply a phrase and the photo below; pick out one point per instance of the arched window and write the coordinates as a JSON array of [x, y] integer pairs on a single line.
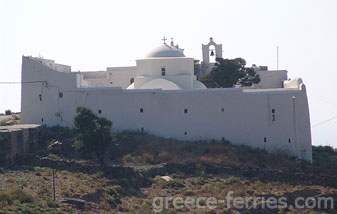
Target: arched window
[[212, 54]]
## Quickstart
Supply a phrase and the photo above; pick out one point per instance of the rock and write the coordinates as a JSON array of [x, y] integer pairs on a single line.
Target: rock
[[94, 197], [63, 148], [166, 178], [78, 203]]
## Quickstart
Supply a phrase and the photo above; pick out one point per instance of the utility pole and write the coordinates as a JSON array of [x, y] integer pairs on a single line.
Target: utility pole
[[277, 57], [54, 198]]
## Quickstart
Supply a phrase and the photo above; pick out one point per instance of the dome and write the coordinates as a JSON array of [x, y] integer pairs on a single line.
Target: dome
[[198, 85], [160, 83], [165, 51]]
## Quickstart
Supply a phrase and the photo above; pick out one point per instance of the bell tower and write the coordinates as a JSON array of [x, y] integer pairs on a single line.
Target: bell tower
[[211, 50]]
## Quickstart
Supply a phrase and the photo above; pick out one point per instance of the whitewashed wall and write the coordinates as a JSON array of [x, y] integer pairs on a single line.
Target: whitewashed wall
[[243, 116]]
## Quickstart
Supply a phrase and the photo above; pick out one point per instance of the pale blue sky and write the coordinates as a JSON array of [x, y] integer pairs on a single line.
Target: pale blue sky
[[92, 35]]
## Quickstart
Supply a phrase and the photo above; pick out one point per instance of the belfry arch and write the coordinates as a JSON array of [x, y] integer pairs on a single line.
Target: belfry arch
[[211, 50]]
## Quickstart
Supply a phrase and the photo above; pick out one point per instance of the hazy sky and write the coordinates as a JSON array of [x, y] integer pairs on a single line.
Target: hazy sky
[[93, 35]]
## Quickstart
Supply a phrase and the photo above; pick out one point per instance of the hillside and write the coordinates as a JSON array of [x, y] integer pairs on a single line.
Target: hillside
[[131, 181]]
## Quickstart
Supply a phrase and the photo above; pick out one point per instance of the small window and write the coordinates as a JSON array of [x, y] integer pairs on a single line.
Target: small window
[[142, 129], [273, 111], [185, 133], [141, 110], [40, 97], [265, 139], [163, 73], [60, 94], [273, 117], [111, 83], [99, 111], [163, 69], [289, 141], [222, 109], [132, 80], [42, 119], [185, 110]]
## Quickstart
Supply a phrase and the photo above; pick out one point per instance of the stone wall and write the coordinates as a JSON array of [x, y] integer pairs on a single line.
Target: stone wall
[[19, 140]]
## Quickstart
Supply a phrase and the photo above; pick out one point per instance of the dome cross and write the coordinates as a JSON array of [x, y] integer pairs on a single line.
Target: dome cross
[[164, 39]]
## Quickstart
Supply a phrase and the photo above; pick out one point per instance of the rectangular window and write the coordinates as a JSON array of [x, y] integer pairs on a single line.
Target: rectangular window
[[142, 129], [265, 139], [222, 109], [289, 141], [60, 94], [185, 110], [100, 111], [273, 111], [163, 71], [141, 110], [185, 133]]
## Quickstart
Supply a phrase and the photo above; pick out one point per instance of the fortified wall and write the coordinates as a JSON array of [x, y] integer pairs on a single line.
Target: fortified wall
[[19, 140]]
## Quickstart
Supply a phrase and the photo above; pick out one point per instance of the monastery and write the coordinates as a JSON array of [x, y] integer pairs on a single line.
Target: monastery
[[162, 96]]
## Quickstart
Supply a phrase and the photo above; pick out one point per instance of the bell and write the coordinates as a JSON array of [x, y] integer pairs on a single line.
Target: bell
[[212, 53]]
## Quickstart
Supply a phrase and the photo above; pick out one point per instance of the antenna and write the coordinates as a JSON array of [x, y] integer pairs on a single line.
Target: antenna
[[277, 55]]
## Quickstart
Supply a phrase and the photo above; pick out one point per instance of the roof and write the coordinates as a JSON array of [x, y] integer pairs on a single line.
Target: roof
[[165, 51]]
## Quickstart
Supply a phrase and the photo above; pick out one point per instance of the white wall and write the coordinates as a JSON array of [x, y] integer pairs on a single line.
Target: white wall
[[246, 117], [271, 79]]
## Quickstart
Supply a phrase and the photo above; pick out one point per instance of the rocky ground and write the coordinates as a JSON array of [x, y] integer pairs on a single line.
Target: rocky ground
[[132, 181]]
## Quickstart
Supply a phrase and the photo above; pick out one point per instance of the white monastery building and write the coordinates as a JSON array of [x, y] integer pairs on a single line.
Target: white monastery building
[[162, 96]]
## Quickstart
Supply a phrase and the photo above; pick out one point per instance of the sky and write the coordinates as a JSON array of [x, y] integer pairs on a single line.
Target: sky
[[93, 35]]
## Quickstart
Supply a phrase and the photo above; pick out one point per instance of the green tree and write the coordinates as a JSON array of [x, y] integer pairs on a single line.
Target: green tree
[[228, 72], [92, 133]]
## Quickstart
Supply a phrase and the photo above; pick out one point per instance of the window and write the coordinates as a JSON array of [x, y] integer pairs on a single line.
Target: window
[[273, 117], [141, 110], [111, 83], [273, 111], [222, 109], [163, 71], [142, 129], [265, 139], [132, 80], [185, 110], [289, 141], [42, 119], [185, 133], [99, 111], [60, 94], [40, 97]]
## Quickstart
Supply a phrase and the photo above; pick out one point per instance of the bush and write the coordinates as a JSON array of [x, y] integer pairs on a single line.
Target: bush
[[53, 156], [16, 194], [232, 180], [59, 133], [112, 197], [93, 133], [8, 112]]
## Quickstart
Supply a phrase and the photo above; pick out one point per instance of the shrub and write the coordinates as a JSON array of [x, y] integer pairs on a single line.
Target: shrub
[[16, 194], [93, 133], [232, 180], [8, 112], [53, 156], [112, 197], [59, 133]]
